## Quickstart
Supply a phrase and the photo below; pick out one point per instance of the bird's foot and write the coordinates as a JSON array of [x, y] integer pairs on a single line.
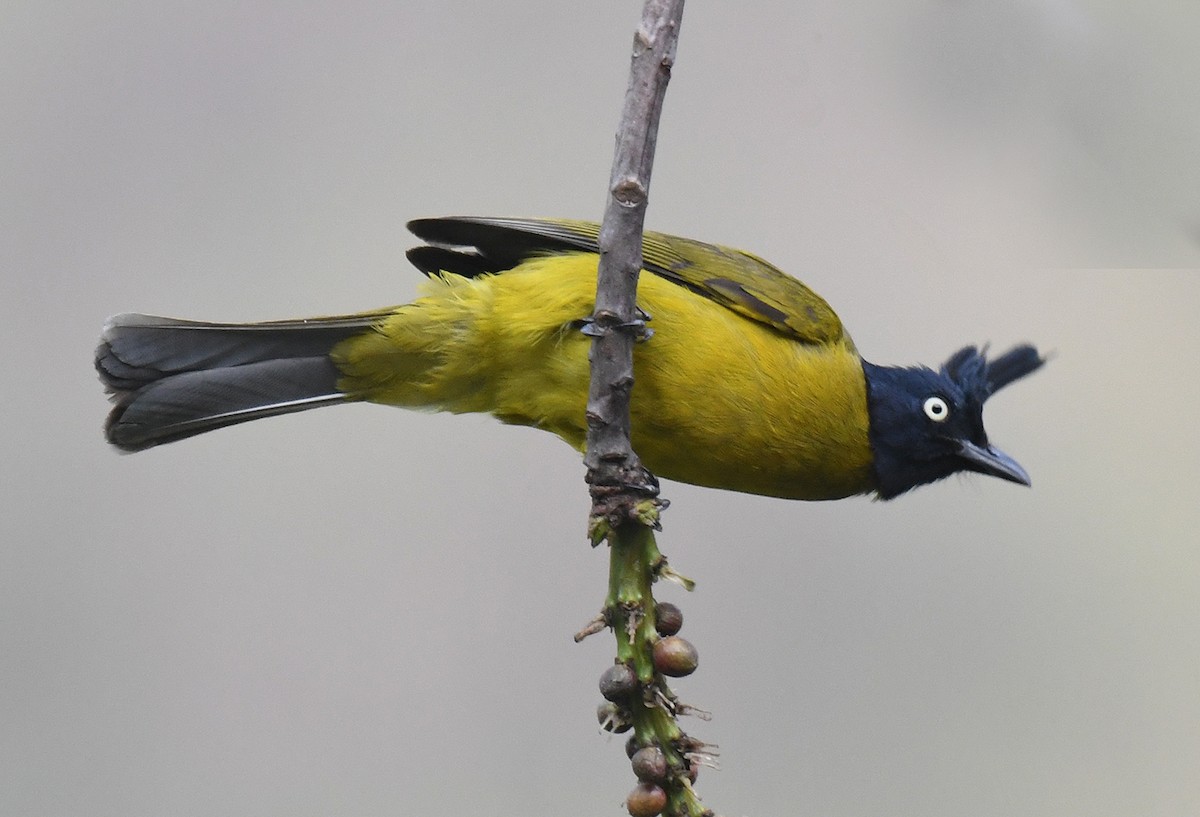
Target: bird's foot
[[595, 328]]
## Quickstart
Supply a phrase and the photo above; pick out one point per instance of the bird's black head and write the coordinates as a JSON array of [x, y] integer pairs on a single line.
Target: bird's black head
[[926, 425]]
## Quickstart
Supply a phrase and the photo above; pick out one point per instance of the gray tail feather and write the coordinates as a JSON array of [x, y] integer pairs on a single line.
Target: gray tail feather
[[171, 379]]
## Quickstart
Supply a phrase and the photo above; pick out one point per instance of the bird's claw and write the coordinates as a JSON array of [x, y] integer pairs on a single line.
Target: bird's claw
[[593, 328]]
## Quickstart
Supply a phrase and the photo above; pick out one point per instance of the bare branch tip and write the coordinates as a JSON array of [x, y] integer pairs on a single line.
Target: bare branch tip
[[596, 625]]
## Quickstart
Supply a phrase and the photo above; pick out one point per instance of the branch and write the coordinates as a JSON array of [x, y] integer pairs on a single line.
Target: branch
[[613, 467], [625, 504]]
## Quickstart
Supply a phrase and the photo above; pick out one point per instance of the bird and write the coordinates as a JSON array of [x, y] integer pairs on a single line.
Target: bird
[[748, 382]]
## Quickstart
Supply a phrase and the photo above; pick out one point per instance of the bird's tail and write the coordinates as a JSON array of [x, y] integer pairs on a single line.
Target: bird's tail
[[171, 379]]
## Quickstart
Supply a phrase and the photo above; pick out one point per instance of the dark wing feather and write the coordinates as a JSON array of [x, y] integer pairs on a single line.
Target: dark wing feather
[[735, 279]]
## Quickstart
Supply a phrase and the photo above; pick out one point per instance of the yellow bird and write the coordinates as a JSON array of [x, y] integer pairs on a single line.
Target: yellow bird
[[748, 382]]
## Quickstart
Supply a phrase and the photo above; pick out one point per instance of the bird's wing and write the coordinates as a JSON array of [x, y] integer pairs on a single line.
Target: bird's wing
[[733, 278]]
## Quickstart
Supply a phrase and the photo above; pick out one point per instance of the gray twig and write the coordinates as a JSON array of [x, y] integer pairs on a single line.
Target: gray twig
[[613, 467]]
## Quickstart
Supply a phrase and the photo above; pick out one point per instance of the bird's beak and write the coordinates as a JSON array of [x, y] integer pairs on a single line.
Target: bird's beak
[[993, 461]]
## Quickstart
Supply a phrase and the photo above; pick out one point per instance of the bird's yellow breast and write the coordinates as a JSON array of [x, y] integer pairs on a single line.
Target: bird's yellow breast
[[719, 400]]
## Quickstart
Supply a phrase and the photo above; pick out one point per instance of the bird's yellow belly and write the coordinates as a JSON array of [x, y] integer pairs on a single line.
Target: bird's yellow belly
[[719, 400]]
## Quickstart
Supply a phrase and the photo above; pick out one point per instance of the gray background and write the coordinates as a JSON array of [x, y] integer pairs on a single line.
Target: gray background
[[365, 611]]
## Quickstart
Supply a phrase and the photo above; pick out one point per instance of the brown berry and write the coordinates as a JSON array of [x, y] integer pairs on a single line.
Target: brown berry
[[675, 656], [647, 800], [618, 683], [650, 764], [667, 618], [632, 745]]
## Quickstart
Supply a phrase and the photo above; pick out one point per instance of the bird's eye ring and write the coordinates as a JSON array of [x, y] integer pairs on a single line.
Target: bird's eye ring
[[936, 409]]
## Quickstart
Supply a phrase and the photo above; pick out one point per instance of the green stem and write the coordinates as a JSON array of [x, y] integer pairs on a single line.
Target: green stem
[[634, 560]]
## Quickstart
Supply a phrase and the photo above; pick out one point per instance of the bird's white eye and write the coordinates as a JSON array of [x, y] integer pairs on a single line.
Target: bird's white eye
[[936, 409]]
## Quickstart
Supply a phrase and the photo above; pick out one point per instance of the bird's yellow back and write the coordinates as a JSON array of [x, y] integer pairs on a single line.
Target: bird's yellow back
[[719, 400]]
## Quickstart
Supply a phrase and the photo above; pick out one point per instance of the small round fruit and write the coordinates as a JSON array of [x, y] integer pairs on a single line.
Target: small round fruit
[[650, 764], [667, 618], [647, 800], [618, 683], [675, 656]]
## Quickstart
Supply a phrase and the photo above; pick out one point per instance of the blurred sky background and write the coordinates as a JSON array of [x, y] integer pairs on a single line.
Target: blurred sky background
[[364, 611]]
